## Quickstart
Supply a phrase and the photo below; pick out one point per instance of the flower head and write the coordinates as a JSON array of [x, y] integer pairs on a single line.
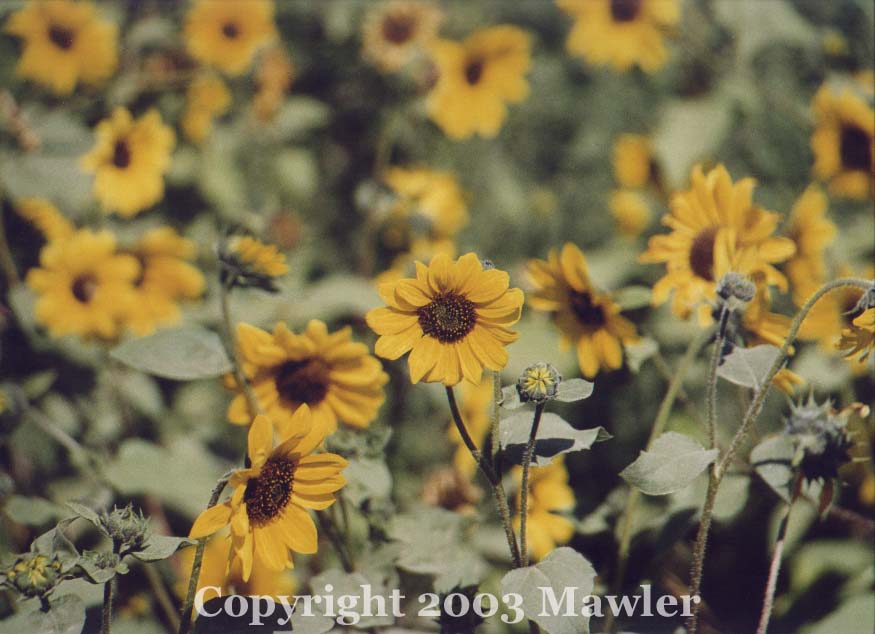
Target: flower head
[[549, 495], [820, 439], [454, 318], [268, 509], [34, 575], [432, 195], [395, 32], [65, 43], [812, 232], [248, 262], [858, 340], [227, 35], [206, 98], [128, 530], [538, 383]]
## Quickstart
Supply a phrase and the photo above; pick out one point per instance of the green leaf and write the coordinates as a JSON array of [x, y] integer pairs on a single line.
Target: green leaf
[[673, 462], [571, 390], [31, 511], [771, 460], [183, 354], [66, 615], [351, 584], [161, 547], [556, 436], [510, 398], [639, 352], [857, 614], [563, 570], [748, 367], [632, 297], [88, 514], [367, 479]]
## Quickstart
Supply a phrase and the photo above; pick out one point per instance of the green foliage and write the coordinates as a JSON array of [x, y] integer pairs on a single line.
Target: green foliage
[[748, 367], [183, 354], [671, 464]]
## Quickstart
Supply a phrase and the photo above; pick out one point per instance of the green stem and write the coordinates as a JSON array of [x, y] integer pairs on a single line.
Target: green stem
[[496, 419], [524, 485], [711, 394], [233, 350], [106, 613], [327, 525], [197, 562]]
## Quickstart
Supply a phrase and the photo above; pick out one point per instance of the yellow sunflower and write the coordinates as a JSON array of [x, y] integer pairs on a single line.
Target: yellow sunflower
[[267, 511], [476, 78], [129, 160], [83, 285], [633, 161], [226, 34], [549, 494], [474, 407], [64, 43], [258, 257], [329, 372], [630, 211], [45, 217], [430, 194], [395, 32], [843, 140], [166, 278], [858, 340], [812, 232], [587, 319], [716, 228], [621, 33], [206, 98], [454, 318]]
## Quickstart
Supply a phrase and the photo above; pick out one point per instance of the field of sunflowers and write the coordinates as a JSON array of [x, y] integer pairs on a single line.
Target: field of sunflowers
[[508, 314]]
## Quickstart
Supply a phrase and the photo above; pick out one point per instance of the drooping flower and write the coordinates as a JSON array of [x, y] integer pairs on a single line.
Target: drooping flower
[[45, 217], [328, 372], [454, 318], [812, 232], [587, 318], [268, 509], [395, 32], [477, 77], [83, 285], [549, 495], [129, 161], [631, 212], [206, 98], [621, 33], [858, 340], [716, 228], [227, 35], [64, 43]]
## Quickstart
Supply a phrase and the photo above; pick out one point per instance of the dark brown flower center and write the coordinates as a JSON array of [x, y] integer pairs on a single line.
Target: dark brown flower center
[[230, 30], [398, 28], [474, 70], [855, 149], [61, 36], [625, 10], [587, 312], [84, 287], [702, 253], [304, 381], [121, 154], [448, 318], [268, 494]]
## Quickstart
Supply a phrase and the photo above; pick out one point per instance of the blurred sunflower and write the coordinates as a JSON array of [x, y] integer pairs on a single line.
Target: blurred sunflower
[[633, 161], [129, 160], [227, 35], [549, 495], [811, 231], [620, 33], [587, 319], [630, 211], [166, 278], [474, 408], [716, 228], [267, 511], [449, 489], [430, 194], [83, 286], [329, 372], [395, 32], [454, 317], [64, 43], [832, 313], [206, 98], [859, 338], [475, 79], [255, 255], [273, 77], [843, 140], [45, 217]]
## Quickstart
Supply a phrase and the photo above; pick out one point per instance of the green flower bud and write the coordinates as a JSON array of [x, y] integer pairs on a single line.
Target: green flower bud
[[538, 383], [736, 290], [128, 530]]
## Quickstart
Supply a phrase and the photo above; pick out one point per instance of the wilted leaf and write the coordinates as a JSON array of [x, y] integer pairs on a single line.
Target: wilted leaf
[[673, 461], [556, 436], [183, 354], [748, 367]]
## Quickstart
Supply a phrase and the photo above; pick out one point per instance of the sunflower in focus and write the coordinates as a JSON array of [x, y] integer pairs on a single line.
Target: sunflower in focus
[[83, 285], [812, 231], [227, 35], [454, 318], [64, 43], [549, 495], [206, 98], [587, 319], [621, 33], [268, 510], [331, 374], [395, 32], [716, 228], [432, 195], [129, 161], [843, 140], [476, 78], [45, 217], [474, 408], [630, 211]]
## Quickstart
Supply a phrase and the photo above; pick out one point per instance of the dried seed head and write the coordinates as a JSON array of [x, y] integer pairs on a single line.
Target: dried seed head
[[820, 438]]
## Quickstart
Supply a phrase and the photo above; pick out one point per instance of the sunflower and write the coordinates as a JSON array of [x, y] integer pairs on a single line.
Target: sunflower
[[395, 32], [273, 76], [129, 160], [329, 372], [84, 286], [45, 217], [630, 211], [206, 98], [227, 35], [166, 277], [430, 194], [811, 231], [843, 140], [549, 494], [454, 318], [634, 165], [859, 338], [267, 511], [716, 228], [475, 79], [64, 43], [586, 318], [474, 407], [620, 33], [261, 258]]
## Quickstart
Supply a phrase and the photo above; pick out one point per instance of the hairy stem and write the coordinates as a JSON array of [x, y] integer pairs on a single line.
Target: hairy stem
[[496, 419], [233, 350], [775, 567], [524, 485], [106, 612]]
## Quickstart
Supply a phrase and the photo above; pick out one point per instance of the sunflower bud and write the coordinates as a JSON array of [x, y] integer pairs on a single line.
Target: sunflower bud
[[736, 290], [538, 383], [128, 530], [34, 575], [820, 438]]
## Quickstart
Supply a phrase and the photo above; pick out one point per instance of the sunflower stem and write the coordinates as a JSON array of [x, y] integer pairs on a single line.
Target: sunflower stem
[[233, 350], [496, 419], [524, 485], [106, 612], [197, 562]]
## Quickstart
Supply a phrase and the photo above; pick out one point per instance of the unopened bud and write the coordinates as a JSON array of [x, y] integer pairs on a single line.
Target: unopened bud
[[538, 383]]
